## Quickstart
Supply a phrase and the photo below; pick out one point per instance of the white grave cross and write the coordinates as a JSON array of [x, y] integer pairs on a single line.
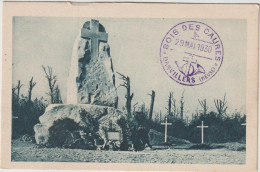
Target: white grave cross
[[166, 124], [202, 131]]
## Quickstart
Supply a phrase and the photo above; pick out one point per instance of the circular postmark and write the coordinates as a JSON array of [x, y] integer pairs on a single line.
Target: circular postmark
[[191, 53]]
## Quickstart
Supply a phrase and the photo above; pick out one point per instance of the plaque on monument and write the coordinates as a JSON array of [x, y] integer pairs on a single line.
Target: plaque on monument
[[113, 135]]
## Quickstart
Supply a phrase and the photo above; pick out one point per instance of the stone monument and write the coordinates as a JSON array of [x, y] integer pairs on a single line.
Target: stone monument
[[91, 78], [91, 93]]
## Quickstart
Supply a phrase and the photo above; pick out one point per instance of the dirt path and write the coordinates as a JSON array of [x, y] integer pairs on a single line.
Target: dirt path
[[25, 151]]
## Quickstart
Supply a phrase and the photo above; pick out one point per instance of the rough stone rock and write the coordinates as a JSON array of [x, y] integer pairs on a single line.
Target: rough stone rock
[[91, 78], [97, 120]]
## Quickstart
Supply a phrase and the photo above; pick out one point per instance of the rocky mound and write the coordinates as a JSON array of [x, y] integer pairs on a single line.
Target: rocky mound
[[65, 125]]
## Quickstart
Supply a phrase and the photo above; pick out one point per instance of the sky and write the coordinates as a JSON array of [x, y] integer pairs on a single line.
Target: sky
[[134, 48]]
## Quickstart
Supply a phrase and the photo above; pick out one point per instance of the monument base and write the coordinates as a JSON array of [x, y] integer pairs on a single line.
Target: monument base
[[85, 124]]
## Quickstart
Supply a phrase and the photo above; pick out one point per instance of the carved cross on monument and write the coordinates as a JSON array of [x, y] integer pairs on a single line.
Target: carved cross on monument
[[166, 124], [202, 131], [95, 36]]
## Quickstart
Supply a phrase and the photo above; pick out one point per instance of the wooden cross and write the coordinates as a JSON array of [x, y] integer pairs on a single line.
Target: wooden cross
[[95, 36], [202, 131], [166, 124]]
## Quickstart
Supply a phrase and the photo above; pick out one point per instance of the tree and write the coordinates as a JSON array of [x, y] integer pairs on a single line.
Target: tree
[[30, 88], [135, 106], [54, 92], [182, 105], [187, 120], [18, 87], [151, 105], [174, 108], [203, 104], [13, 90], [157, 118], [128, 95], [197, 112], [160, 119], [25, 111], [142, 108], [169, 106], [221, 106], [57, 96]]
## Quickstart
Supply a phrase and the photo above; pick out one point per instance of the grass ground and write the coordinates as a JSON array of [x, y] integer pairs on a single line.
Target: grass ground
[[229, 153]]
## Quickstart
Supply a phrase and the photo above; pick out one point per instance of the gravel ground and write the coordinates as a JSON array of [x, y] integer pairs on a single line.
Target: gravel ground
[[26, 151]]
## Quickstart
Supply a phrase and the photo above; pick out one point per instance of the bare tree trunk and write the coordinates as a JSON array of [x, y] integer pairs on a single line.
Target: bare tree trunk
[[18, 87], [129, 95], [203, 104], [221, 106], [182, 105], [52, 79], [170, 104], [31, 85], [160, 116], [197, 112], [174, 108], [57, 96], [187, 120], [135, 106], [151, 105]]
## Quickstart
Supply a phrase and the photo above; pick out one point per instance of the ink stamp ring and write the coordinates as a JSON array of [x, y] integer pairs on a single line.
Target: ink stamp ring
[[191, 53]]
